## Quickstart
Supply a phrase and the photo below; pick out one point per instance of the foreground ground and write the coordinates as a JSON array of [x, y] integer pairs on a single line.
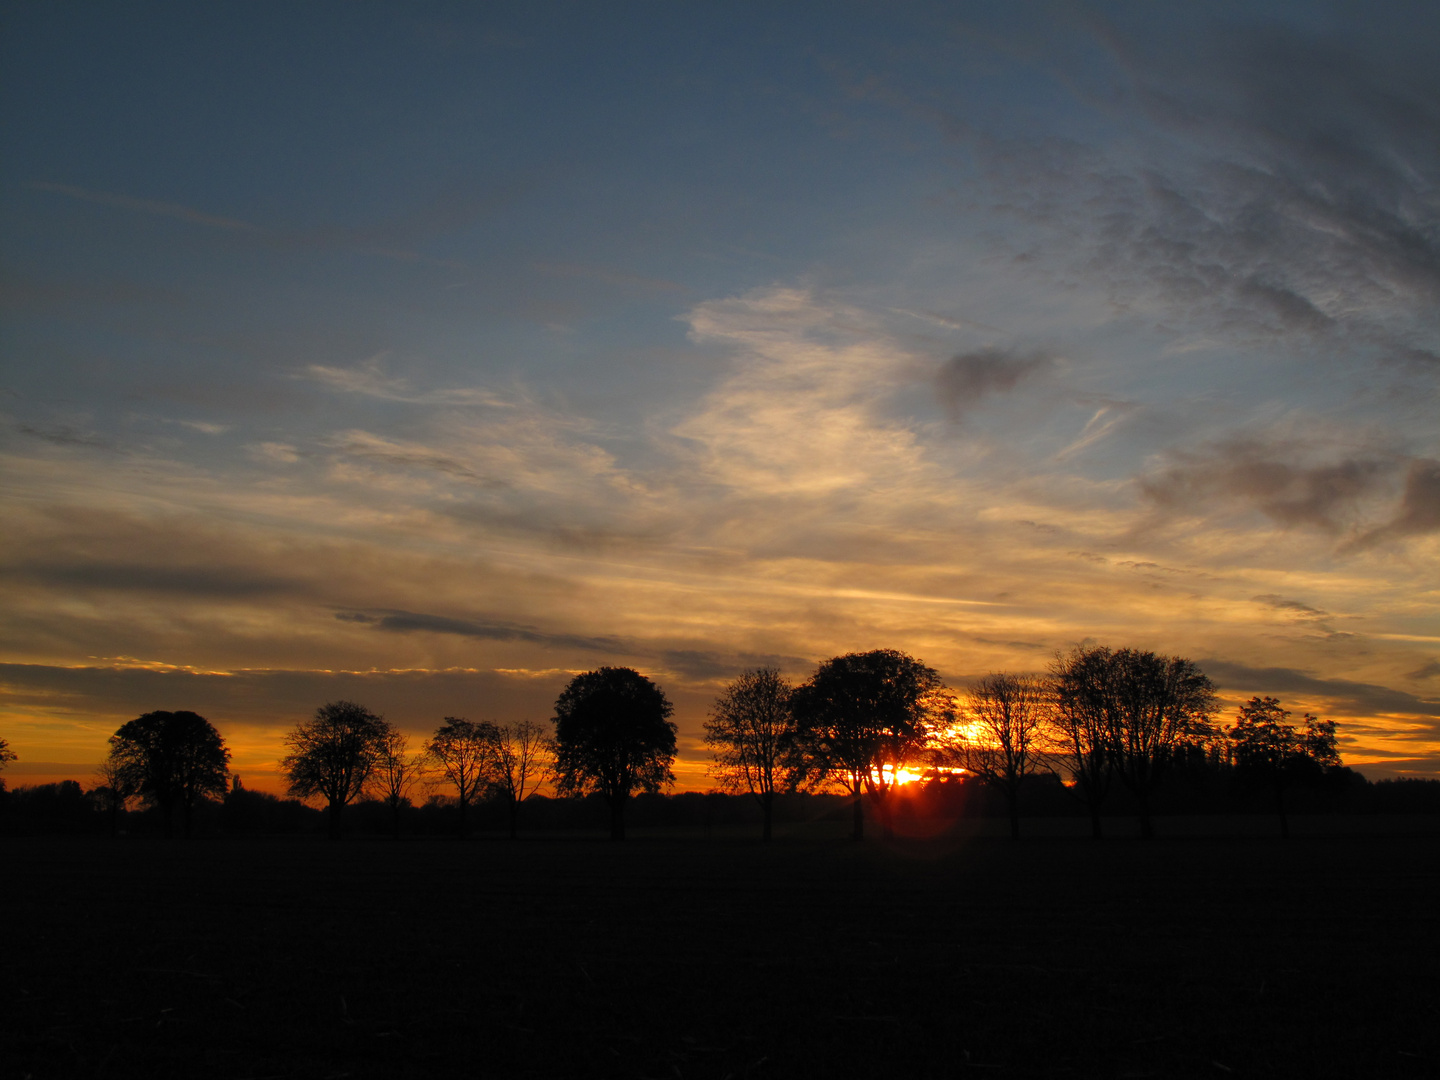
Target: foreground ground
[[688, 957]]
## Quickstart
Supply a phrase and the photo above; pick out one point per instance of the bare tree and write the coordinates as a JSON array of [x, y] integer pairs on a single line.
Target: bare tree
[[1079, 684], [520, 757], [751, 735], [114, 791], [461, 751], [396, 773], [1008, 716], [333, 756]]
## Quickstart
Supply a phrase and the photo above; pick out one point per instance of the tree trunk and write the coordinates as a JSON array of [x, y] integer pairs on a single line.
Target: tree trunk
[[1147, 823], [1095, 832], [617, 819], [332, 819], [514, 818], [464, 825], [1280, 808], [1014, 816], [766, 807], [857, 831]]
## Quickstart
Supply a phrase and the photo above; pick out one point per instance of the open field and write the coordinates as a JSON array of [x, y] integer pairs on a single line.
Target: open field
[[671, 957]]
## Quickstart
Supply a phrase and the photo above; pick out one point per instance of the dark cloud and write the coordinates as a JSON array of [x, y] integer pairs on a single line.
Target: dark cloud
[[967, 377], [406, 622], [1357, 697], [1327, 495], [1419, 505], [414, 699], [195, 581], [1295, 607], [1425, 671], [707, 666]]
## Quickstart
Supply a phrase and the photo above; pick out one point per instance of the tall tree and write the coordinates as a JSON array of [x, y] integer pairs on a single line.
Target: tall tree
[[6, 756], [861, 718], [751, 735], [1267, 749], [333, 756], [1159, 705], [172, 760], [613, 734], [1008, 715], [114, 792], [396, 773], [1080, 687], [461, 751], [520, 756]]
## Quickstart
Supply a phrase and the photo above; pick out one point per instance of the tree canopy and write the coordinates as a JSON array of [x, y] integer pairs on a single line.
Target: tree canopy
[[863, 717], [1268, 749], [1008, 715], [751, 735], [613, 734], [333, 755], [172, 760]]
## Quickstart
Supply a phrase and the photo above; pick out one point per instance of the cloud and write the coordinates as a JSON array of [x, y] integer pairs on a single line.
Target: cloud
[[1277, 185], [405, 622], [368, 379], [1419, 511], [1425, 671], [1366, 699], [1294, 607], [149, 206], [1275, 479], [967, 377]]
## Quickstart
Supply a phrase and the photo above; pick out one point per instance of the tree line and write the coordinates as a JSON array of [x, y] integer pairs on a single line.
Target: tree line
[[862, 724]]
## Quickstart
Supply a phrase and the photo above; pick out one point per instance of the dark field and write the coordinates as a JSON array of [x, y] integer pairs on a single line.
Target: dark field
[[687, 957]]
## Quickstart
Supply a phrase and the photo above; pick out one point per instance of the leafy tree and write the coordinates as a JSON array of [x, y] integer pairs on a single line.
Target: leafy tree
[[1081, 723], [171, 760], [1268, 749], [612, 735], [334, 755], [520, 756], [1008, 716], [6, 756], [861, 718], [461, 751], [396, 773], [751, 735]]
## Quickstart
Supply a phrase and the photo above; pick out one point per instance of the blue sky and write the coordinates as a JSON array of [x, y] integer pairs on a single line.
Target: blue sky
[[426, 354]]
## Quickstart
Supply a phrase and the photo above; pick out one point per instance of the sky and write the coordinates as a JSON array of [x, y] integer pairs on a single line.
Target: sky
[[425, 355]]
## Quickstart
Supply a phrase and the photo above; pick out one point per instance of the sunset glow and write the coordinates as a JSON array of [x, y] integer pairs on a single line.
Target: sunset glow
[[494, 347]]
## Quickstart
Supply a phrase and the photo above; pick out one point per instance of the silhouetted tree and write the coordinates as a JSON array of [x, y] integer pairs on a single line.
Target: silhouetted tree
[[1158, 705], [171, 760], [6, 756], [520, 756], [861, 718], [333, 756], [613, 735], [751, 735], [461, 749], [1080, 686], [1007, 715], [1268, 749], [114, 792], [396, 773]]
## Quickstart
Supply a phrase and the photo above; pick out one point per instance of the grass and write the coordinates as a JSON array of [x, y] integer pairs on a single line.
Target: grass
[[669, 957]]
